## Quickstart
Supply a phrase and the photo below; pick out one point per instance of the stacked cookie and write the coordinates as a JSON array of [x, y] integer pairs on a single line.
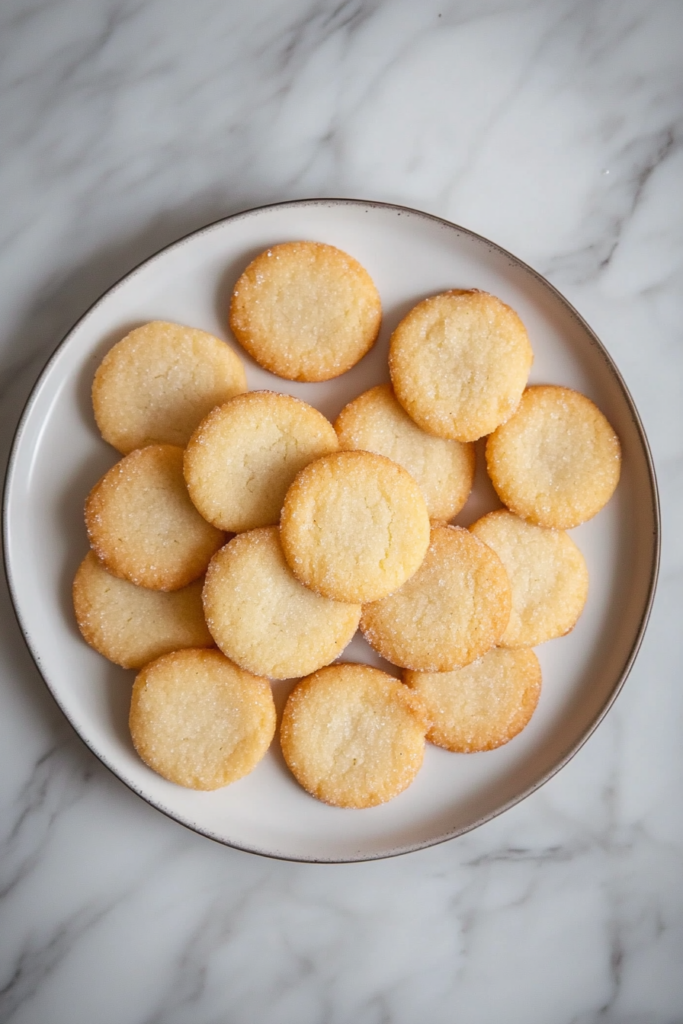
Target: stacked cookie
[[335, 527]]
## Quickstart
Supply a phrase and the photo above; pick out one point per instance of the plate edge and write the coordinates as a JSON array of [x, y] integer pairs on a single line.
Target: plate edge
[[611, 365]]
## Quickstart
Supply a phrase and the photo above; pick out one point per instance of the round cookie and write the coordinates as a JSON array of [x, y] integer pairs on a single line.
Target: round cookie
[[483, 705], [200, 721], [305, 311], [159, 382], [444, 469], [131, 625], [453, 610], [263, 618], [245, 454], [548, 577], [353, 736], [354, 526], [459, 363], [557, 461], [142, 524]]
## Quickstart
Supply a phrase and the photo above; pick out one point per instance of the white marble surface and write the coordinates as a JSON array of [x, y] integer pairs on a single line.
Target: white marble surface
[[552, 127]]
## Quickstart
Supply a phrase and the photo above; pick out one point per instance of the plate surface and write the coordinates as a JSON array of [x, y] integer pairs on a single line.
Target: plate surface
[[58, 456]]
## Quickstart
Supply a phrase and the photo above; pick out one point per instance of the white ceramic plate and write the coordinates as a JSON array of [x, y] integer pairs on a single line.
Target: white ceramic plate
[[58, 455]]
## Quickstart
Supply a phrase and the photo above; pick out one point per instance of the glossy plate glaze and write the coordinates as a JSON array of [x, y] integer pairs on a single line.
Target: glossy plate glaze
[[58, 456]]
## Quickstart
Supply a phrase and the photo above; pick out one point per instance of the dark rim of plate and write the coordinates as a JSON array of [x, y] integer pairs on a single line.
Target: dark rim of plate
[[654, 499]]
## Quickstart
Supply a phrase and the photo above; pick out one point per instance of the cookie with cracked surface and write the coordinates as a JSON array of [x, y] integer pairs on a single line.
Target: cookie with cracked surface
[[444, 469], [548, 577], [159, 382], [142, 524], [131, 625], [200, 721], [453, 610], [263, 618], [305, 311], [459, 363], [245, 454], [353, 736], [557, 461], [483, 705], [354, 526]]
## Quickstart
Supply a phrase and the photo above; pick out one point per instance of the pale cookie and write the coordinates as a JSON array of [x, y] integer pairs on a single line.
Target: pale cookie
[[305, 311], [354, 526], [245, 454], [132, 625], [483, 705], [557, 461], [158, 383], [452, 611], [142, 524], [353, 736], [263, 618], [200, 721], [444, 469], [547, 573], [459, 363]]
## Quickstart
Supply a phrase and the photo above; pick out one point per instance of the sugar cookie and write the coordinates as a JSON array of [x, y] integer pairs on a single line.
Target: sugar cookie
[[483, 705], [132, 625], [459, 363], [200, 721], [354, 526], [245, 454], [263, 618], [557, 461], [452, 611], [353, 736], [547, 573], [159, 382], [305, 311], [142, 524], [444, 469]]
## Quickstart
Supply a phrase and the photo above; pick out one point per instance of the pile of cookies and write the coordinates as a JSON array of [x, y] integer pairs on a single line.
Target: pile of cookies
[[334, 527]]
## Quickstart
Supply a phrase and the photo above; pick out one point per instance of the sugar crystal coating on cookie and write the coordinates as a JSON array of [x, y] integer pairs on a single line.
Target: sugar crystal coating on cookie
[[459, 363], [157, 384], [245, 454], [483, 705], [142, 524], [263, 618], [453, 610], [548, 577], [200, 721], [557, 461], [132, 625], [444, 469], [353, 736], [305, 311], [354, 526]]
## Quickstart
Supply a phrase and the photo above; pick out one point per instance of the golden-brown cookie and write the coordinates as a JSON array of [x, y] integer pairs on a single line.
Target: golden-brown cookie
[[557, 461], [263, 618], [159, 382], [354, 526], [305, 311], [132, 625], [459, 363], [200, 721], [142, 524], [548, 577], [353, 736], [484, 704], [444, 469], [452, 611], [245, 454]]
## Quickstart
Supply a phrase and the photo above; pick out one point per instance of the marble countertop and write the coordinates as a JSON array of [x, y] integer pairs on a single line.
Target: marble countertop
[[553, 128]]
